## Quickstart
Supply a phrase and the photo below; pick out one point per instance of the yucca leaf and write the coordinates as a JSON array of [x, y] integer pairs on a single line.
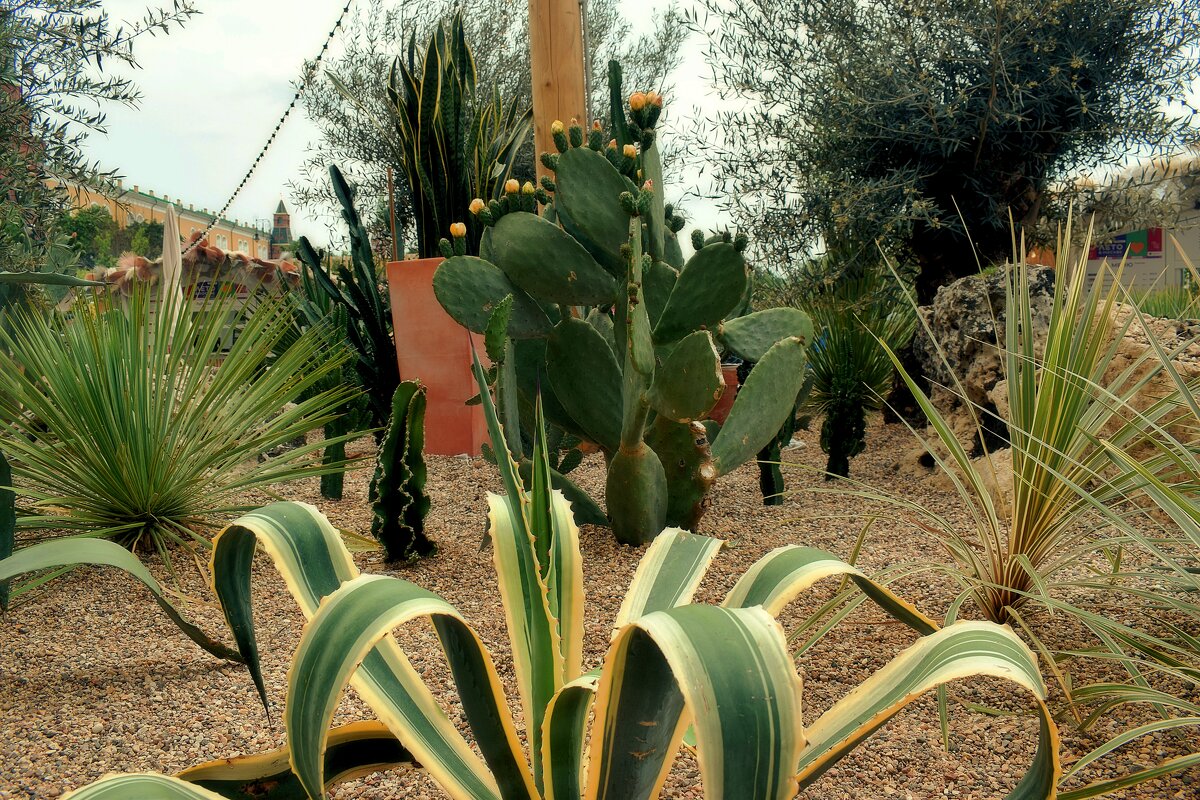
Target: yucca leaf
[[726, 670], [310, 556], [352, 750], [960, 650], [344, 632], [102, 553], [8, 523]]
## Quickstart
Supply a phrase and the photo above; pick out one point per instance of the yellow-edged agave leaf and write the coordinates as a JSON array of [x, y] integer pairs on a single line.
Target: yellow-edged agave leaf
[[345, 631], [961, 650], [353, 750], [309, 554], [563, 731], [668, 574], [782, 574], [536, 650], [564, 585], [103, 553], [728, 671], [141, 786]]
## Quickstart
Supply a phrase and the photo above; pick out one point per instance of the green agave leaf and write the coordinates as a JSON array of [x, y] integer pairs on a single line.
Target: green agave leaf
[[729, 671], [783, 574], [313, 561], [141, 786], [353, 750], [563, 735], [346, 628], [668, 574], [961, 650], [46, 279], [8, 523], [102, 553]]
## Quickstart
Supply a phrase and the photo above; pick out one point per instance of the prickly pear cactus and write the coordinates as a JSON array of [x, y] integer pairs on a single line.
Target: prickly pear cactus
[[398, 497], [624, 334]]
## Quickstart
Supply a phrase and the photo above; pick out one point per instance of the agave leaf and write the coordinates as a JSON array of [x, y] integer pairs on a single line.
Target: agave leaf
[[345, 630], [99, 552], [313, 562], [353, 750], [957, 651], [141, 786], [730, 672]]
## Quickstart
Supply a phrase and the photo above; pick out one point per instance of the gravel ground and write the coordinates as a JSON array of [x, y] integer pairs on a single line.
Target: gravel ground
[[93, 678]]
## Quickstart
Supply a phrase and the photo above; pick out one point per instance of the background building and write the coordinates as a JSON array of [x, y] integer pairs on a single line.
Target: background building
[[134, 205], [281, 231]]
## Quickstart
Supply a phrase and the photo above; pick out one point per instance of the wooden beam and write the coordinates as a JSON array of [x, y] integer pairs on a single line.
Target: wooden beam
[[556, 61]]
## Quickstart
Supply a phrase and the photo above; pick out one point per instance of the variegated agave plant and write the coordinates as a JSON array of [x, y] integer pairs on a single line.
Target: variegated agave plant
[[719, 678]]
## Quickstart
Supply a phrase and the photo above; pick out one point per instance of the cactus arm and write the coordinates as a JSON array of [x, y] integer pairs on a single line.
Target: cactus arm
[[656, 219], [639, 350], [616, 102]]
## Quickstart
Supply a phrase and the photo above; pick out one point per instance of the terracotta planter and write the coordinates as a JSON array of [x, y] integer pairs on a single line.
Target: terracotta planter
[[434, 349], [721, 409]]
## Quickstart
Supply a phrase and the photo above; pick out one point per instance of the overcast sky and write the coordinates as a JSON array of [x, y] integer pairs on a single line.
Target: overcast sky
[[213, 91]]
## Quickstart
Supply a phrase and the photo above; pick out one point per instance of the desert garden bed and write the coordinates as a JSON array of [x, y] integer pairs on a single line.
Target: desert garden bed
[[93, 679]]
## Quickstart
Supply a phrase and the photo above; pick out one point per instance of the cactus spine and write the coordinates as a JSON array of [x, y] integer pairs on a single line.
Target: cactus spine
[[622, 330]]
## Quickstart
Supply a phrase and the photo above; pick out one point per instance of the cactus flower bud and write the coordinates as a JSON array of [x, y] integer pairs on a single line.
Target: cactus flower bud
[[476, 206], [648, 186], [654, 99], [629, 151], [558, 132], [511, 186], [595, 124], [637, 101], [612, 144], [527, 188], [458, 230]]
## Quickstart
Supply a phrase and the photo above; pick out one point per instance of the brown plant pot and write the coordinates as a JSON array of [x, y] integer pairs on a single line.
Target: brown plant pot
[[721, 409], [435, 350]]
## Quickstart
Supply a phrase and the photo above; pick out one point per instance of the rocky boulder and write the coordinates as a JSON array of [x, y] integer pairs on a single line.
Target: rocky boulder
[[968, 319]]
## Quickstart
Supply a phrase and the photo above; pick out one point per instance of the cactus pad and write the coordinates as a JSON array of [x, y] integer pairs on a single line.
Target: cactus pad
[[689, 383], [751, 336], [687, 462], [636, 494], [709, 287], [586, 201], [470, 289], [763, 403], [548, 263], [586, 379], [657, 282]]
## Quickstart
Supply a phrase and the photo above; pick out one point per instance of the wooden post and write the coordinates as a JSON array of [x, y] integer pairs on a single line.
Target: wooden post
[[556, 60]]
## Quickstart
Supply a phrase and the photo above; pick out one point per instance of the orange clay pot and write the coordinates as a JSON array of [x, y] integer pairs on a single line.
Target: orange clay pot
[[435, 350]]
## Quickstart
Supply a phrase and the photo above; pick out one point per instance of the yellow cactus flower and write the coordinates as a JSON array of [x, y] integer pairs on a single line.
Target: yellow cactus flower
[[476, 205], [458, 230], [630, 151], [511, 186], [637, 101]]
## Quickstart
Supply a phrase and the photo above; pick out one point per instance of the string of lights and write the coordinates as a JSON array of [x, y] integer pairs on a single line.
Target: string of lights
[[305, 81]]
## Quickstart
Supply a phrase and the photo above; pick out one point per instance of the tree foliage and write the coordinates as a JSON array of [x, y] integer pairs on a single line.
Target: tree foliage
[[499, 30], [899, 120], [56, 76]]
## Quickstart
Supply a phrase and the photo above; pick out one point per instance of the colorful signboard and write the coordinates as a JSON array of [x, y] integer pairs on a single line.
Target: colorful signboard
[[1146, 243]]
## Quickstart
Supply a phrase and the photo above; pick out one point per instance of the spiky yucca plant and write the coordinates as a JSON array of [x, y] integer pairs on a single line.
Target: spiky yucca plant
[[125, 421]]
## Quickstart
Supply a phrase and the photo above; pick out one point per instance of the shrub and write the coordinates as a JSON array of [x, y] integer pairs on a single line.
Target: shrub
[[122, 422]]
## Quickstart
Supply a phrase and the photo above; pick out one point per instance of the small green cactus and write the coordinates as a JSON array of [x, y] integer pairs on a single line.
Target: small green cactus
[[624, 332], [398, 499]]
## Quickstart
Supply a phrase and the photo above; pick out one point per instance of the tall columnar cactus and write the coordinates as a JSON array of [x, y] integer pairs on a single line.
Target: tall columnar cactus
[[607, 314], [398, 499]]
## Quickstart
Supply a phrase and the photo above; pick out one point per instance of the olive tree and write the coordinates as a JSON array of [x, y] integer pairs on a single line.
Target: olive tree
[[926, 125]]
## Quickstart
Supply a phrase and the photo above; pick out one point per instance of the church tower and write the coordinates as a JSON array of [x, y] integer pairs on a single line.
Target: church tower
[[281, 231]]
